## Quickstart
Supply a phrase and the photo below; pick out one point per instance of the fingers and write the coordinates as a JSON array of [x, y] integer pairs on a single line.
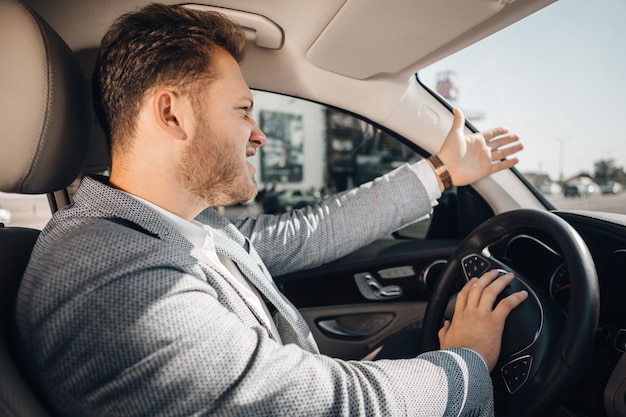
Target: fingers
[[499, 148], [485, 290], [493, 289], [461, 297], [504, 164], [507, 304], [501, 141], [496, 131], [500, 152], [477, 288], [482, 293]]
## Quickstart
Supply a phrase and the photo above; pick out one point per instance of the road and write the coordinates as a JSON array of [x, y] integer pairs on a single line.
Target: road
[[614, 203]]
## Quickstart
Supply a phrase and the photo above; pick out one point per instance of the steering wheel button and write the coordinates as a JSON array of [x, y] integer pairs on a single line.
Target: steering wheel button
[[515, 373], [474, 266]]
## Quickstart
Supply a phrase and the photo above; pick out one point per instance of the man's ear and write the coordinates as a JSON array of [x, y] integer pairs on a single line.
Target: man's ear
[[170, 112]]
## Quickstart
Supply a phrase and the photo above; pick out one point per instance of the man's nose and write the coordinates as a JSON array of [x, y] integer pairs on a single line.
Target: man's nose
[[257, 136]]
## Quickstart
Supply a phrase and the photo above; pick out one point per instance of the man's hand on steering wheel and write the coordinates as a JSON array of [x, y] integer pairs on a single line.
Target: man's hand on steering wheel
[[476, 323]]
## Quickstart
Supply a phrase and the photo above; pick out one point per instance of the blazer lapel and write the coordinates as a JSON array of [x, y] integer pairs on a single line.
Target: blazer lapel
[[291, 325], [249, 313]]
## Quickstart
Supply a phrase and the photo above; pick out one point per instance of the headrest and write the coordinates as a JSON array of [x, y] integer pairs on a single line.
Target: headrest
[[46, 119]]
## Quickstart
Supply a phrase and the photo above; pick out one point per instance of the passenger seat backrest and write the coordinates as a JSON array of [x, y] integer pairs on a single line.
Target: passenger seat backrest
[[46, 123]]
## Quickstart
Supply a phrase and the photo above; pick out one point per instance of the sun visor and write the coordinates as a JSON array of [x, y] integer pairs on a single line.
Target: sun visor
[[366, 37]]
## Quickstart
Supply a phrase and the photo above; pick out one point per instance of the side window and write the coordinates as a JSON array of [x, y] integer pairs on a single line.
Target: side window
[[24, 210], [313, 151]]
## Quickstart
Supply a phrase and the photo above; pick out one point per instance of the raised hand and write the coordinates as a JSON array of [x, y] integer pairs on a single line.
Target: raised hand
[[473, 157]]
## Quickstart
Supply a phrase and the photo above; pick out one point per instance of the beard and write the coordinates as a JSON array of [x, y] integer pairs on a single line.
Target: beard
[[211, 169]]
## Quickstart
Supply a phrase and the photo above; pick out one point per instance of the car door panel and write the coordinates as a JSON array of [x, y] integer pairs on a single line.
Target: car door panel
[[369, 303]]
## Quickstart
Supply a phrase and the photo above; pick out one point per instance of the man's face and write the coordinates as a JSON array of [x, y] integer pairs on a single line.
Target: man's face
[[214, 166]]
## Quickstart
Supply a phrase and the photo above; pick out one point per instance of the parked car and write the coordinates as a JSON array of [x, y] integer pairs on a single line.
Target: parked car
[[581, 189], [352, 77], [611, 188], [550, 188], [576, 190]]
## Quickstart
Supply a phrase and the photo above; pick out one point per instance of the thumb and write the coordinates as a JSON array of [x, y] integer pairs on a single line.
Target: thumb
[[452, 147], [443, 332], [459, 119]]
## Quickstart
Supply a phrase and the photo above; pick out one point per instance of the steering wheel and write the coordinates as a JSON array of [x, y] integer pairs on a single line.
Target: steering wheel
[[543, 353]]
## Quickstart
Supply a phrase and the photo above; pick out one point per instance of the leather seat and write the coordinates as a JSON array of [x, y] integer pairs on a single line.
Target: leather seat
[[16, 396], [46, 123]]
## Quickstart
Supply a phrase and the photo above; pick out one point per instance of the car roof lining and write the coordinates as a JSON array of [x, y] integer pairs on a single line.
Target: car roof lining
[[323, 33]]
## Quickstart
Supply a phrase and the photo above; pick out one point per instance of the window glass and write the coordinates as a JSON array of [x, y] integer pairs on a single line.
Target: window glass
[[557, 79], [24, 210], [313, 151]]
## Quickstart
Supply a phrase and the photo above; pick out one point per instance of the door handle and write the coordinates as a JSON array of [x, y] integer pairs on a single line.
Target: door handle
[[331, 326], [371, 289], [355, 326]]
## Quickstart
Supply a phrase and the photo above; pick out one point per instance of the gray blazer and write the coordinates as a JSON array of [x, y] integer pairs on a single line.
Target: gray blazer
[[119, 315]]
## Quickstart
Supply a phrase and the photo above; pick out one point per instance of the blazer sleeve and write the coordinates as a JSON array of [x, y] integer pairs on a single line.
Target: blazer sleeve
[[342, 223]]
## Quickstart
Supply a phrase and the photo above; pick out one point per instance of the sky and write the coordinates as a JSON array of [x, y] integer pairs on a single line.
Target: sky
[[556, 78]]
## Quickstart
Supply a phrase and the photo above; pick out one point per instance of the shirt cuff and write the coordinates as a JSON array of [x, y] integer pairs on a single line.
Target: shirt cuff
[[429, 179]]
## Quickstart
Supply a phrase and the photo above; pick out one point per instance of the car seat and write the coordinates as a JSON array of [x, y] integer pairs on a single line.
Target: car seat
[[46, 123]]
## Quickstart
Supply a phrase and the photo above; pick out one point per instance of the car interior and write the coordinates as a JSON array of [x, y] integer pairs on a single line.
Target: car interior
[[563, 352]]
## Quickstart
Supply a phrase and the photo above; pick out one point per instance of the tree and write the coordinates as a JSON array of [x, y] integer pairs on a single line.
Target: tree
[[605, 170]]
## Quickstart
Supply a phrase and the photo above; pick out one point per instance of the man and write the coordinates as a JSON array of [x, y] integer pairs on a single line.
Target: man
[[142, 300]]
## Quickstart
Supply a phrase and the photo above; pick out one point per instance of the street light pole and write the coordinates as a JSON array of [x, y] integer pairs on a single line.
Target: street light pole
[[561, 158]]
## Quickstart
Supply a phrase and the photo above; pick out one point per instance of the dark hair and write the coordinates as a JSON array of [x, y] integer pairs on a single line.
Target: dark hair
[[156, 46]]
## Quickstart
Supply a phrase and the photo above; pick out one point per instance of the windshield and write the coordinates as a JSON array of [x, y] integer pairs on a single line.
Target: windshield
[[557, 79]]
